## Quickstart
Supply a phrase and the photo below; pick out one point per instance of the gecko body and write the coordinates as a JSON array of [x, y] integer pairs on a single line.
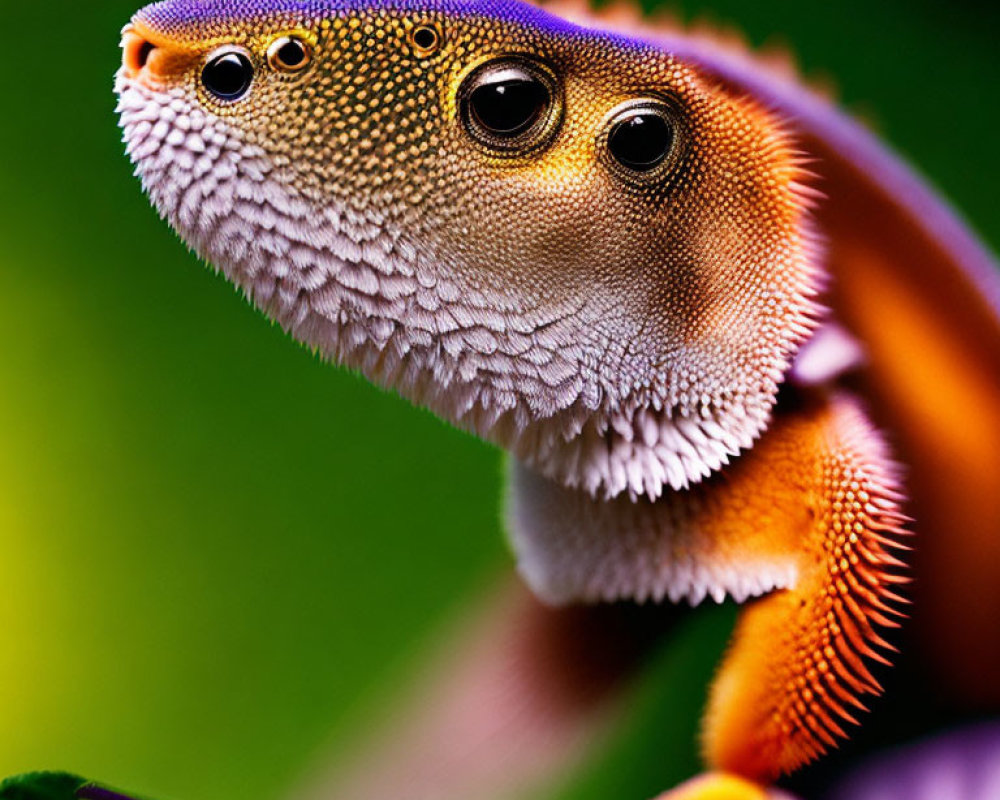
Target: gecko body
[[593, 249]]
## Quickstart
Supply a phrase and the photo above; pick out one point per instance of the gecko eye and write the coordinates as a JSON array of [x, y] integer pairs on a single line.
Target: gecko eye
[[228, 75], [425, 40], [288, 54], [641, 137], [510, 106], [641, 141]]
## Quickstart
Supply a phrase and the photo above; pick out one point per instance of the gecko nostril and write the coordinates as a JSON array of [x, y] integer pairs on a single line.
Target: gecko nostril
[[144, 50], [136, 51]]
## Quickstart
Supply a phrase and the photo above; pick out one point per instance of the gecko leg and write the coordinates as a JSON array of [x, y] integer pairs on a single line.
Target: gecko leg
[[805, 524], [796, 670]]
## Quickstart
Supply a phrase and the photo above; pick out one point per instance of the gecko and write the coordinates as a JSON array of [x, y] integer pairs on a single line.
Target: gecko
[[645, 262]]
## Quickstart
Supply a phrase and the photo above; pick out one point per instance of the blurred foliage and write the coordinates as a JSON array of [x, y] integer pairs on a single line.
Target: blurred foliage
[[219, 555], [41, 786], [55, 786]]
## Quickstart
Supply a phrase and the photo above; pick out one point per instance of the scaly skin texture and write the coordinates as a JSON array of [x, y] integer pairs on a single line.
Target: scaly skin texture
[[624, 334], [538, 298]]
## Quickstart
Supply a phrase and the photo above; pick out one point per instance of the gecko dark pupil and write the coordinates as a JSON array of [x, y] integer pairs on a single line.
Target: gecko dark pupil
[[291, 53], [641, 141], [508, 103], [425, 38], [228, 76]]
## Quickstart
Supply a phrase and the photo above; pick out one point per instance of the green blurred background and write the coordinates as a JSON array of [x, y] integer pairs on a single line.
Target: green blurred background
[[220, 556]]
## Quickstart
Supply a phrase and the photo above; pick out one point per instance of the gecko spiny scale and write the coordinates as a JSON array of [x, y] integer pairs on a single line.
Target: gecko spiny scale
[[617, 309]]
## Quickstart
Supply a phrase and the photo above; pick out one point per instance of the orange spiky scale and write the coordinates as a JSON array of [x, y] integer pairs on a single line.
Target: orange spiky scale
[[835, 687], [881, 619], [836, 707], [892, 597]]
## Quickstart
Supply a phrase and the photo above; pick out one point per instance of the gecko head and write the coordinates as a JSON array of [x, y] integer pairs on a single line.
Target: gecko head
[[568, 242]]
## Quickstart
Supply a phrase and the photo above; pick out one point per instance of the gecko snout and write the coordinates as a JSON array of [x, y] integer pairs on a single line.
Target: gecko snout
[[136, 52], [154, 58]]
